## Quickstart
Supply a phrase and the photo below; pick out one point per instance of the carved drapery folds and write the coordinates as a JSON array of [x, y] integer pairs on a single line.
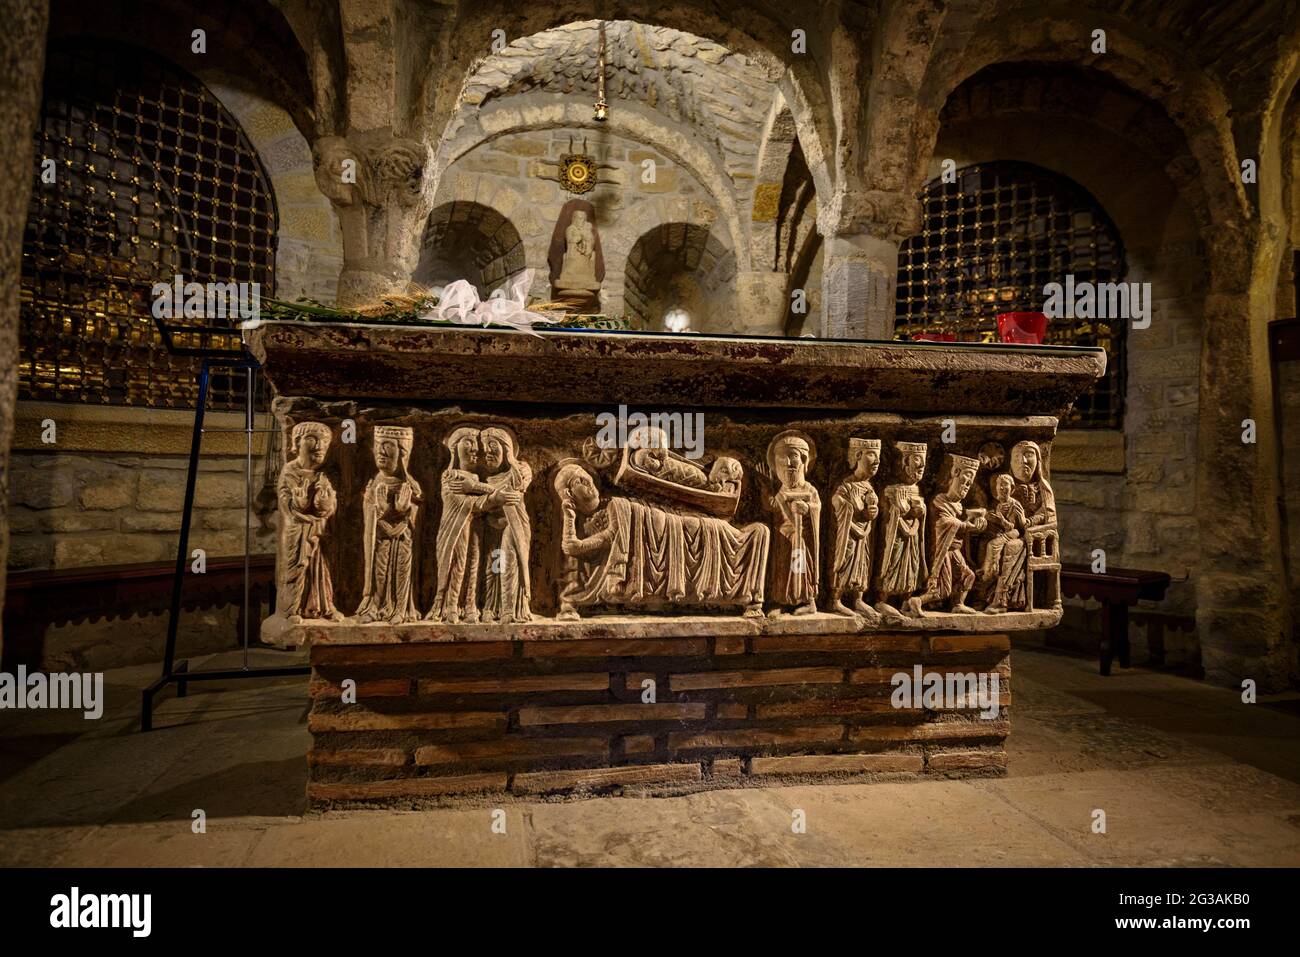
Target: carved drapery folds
[[667, 543], [649, 531], [307, 501], [392, 502]]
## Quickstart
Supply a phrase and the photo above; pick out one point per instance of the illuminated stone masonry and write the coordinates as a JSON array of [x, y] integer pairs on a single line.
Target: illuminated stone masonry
[[572, 561]]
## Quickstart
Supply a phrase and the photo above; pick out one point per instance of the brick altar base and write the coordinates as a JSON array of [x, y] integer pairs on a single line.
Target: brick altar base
[[439, 721]]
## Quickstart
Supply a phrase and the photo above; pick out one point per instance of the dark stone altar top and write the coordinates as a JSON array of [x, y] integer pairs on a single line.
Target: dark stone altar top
[[374, 361]]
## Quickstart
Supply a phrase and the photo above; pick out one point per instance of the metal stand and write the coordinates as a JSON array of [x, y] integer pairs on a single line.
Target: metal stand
[[179, 673]]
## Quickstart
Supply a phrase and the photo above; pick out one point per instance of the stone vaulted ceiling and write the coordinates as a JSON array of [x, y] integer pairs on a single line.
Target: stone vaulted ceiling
[[705, 89]]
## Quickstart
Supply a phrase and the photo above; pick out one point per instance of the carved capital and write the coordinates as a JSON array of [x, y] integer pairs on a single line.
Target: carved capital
[[883, 214], [392, 172], [336, 168], [401, 172]]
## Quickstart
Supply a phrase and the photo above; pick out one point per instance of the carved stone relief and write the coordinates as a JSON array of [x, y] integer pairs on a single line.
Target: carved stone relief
[[950, 578], [307, 501], [392, 502], [902, 534], [485, 536], [855, 506], [667, 545], [797, 510], [645, 530]]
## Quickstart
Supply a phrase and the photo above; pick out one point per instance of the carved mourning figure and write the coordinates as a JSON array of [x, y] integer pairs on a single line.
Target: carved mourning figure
[[797, 509], [507, 533], [855, 506], [639, 554], [390, 506], [1003, 568], [307, 500], [575, 257], [950, 578], [902, 566]]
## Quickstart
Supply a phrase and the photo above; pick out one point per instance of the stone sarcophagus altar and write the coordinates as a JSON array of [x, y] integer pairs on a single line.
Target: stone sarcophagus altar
[[579, 560]]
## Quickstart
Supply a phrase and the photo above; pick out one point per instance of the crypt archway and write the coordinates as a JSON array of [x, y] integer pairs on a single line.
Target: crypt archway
[[696, 133], [471, 241], [676, 279], [152, 177]]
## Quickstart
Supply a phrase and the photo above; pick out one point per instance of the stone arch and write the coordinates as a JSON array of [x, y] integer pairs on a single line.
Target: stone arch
[[159, 179], [757, 35], [251, 46], [677, 263], [775, 158], [467, 240], [633, 123], [1194, 103], [264, 84]]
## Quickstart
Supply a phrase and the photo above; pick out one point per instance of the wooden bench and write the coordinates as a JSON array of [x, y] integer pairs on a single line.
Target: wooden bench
[[34, 600], [1118, 590]]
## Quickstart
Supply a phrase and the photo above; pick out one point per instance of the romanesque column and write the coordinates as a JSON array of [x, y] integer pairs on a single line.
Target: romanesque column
[[762, 302], [382, 189], [860, 262]]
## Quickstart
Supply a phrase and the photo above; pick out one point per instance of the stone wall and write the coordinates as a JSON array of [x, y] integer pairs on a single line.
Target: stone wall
[[309, 247], [516, 175], [1129, 492], [110, 491]]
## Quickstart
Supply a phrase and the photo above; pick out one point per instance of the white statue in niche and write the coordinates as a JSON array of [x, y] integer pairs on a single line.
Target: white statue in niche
[[391, 503], [307, 501], [796, 549], [1003, 568], [855, 506], [577, 264], [636, 554], [902, 566], [950, 578], [507, 535]]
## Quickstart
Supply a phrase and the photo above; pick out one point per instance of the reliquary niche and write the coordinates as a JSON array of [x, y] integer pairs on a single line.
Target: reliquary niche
[[645, 530]]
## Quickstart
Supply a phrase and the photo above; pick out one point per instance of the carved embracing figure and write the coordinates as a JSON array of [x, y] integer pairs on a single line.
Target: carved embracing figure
[[484, 536]]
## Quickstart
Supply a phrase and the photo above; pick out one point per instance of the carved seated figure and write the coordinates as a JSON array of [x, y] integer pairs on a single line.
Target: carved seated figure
[[1003, 569], [639, 555]]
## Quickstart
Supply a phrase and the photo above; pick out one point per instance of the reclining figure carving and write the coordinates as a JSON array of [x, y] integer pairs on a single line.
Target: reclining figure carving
[[669, 549]]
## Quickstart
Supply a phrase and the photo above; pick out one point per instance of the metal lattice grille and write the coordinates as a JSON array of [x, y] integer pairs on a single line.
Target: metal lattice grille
[[153, 178], [992, 240]]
